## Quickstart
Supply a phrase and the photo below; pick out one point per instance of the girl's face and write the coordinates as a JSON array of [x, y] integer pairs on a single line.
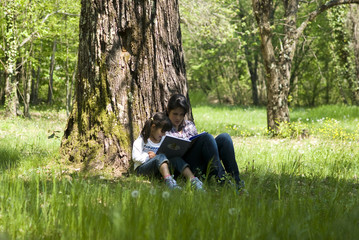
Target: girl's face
[[176, 116], [156, 134]]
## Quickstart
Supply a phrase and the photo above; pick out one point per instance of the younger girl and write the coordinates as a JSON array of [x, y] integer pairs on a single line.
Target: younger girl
[[148, 163]]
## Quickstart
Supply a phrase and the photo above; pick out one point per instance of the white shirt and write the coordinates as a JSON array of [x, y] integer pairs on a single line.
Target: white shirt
[[140, 150]]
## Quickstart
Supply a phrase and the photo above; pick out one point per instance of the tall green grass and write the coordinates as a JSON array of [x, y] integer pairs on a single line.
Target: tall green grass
[[297, 188]]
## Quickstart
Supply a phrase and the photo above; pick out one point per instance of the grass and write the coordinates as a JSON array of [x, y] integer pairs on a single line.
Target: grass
[[299, 188]]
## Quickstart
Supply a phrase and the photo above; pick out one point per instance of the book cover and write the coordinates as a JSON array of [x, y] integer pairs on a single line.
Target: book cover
[[176, 147]]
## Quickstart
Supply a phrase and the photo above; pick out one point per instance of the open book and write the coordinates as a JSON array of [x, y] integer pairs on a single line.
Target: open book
[[176, 147]]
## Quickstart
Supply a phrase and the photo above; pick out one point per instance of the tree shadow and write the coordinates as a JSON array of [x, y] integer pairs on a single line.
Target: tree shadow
[[286, 186], [9, 158]]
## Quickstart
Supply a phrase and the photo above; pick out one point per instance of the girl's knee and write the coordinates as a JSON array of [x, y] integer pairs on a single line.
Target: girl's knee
[[209, 139], [160, 159], [224, 137]]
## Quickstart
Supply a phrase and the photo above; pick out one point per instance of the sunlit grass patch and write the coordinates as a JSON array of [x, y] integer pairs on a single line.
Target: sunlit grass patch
[[234, 120], [330, 128]]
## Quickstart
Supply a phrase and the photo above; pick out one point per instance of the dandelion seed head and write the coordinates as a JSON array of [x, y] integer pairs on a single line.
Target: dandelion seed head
[[153, 191], [135, 194], [165, 195], [232, 211]]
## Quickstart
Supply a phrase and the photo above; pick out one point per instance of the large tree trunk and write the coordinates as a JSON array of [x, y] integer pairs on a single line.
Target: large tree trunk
[[130, 62], [277, 69]]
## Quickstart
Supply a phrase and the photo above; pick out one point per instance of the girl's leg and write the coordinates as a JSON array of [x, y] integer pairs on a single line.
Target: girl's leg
[[182, 167], [195, 182], [188, 173], [226, 154], [165, 170], [163, 167], [203, 155], [158, 165], [149, 168]]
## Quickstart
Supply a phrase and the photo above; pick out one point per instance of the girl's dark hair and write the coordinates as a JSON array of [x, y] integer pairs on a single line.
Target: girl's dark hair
[[160, 120], [176, 101]]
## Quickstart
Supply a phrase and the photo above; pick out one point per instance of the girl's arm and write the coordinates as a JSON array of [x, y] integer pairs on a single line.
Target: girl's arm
[[190, 129], [138, 155]]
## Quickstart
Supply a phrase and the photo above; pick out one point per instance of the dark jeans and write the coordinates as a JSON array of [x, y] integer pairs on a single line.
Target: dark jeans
[[152, 166], [206, 154], [226, 154]]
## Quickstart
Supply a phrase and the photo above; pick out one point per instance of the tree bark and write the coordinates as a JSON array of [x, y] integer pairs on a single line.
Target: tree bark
[[130, 62]]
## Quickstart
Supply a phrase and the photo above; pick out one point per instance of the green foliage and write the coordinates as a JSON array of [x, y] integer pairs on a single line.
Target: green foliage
[[38, 25], [214, 55]]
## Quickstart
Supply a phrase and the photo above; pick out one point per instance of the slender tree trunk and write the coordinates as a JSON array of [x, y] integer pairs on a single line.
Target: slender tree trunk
[[354, 17], [36, 84], [51, 74], [2, 87], [69, 99], [27, 90], [253, 70], [68, 96], [11, 97], [130, 62], [68, 84]]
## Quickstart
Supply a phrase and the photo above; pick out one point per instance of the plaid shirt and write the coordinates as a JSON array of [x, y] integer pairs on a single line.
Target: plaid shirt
[[188, 129]]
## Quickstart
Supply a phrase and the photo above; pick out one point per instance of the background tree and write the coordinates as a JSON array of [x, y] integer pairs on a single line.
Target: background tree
[[246, 30], [354, 18], [11, 53], [130, 62], [278, 52], [37, 23]]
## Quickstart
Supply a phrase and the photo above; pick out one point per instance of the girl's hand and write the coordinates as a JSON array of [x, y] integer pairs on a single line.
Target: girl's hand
[[151, 154]]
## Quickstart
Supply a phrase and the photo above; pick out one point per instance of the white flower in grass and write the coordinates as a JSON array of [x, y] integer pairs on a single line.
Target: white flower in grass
[[153, 191], [165, 194], [135, 194], [232, 211]]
